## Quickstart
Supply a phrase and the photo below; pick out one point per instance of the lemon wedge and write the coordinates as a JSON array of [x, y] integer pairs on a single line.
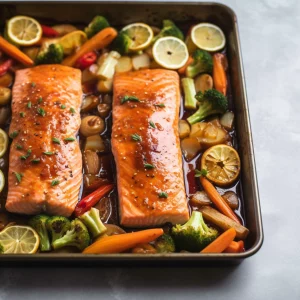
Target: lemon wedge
[[170, 52], [72, 40]]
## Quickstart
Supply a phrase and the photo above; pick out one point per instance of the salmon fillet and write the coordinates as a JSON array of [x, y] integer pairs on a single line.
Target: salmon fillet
[[45, 170], [146, 148]]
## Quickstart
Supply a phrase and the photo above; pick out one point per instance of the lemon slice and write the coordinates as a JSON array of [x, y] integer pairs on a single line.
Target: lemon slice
[[19, 239], [2, 181], [3, 142], [170, 52], [140, 34], [72, 40], [24, 31], [208, 37], [222, 164]]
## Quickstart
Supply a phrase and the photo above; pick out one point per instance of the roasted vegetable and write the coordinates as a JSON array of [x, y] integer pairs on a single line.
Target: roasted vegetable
[[92, 221], [107, 68], [203, 82], [4, 67], [77, 236], [57, 227], [199, 199], [141, 61], [53, 55], [91, 162], [202, 63], [227, 120], [169, 29], [164, 244], [105, 86], [184, 129], [94, 143], [211, 102], [5, 95], [89, 102], [124, 64], [103, 110], [194, 235], [38, 223], [97, 24], [232, 199], [189, 90], [144, 248], [121, 43], [91, 125], [190, 147]]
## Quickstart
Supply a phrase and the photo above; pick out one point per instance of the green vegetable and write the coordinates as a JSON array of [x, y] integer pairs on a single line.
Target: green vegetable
[[169, 29], [19, 147], [54, 54], [54, 182], [56, 140], [72, 110], [202, 63], [22, 114], [162, 195], [69, 139], [18, 176], [35, 160], [194, 235], [58, 227], [48, 153], [77, 236], [38, 223], [97, 24], [29, 104], [164, 244], [14, 134], [92, 221], [189, 90], [148, 166], [135, 137], [151, 123], [40, 99], [121, 43], [129, 98], [211, 102], [161, 105], [41, 112], [62, 106]]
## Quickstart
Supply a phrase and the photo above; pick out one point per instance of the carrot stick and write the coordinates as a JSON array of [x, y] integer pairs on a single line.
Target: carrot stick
[[234, 247], [217, 200], [97, 42], [221, 242], [122, 242], [14, 52], [182, 70], [242, 246], [219, 74]]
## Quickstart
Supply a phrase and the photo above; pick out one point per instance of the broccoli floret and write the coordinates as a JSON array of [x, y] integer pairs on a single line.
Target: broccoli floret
[[194, 235], [38, 223], [78, 236], [189, 90], [97, 24], [92, 221], [169, 29], [211, 102], [121, 43], [58, 226], [54, 54], [165, 244], [202, 63]]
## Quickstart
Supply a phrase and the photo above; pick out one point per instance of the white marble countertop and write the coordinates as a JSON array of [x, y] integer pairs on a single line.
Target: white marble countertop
[[270, 41]]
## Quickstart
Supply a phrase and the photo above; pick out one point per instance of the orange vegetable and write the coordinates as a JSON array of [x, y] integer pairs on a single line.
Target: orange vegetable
[[219, 74], [97, 42], [242, 246], [234, 247], [122, 242], [217, 200], [14, 52], [221, 242], [182, 70]]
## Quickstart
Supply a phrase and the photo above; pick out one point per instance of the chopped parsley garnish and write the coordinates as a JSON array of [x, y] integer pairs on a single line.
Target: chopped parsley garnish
[[22, 114], [24, 157], [62, 106], [69, 139], [162, 195], [18, 176], [54, 182], [198, 173], [35, 160], [148, 166], [160, 105], [136, 137], [40, 99], [48, 153], [33, 84], [14, 134], [129, 98], [19, 147], [72, 110], [56, 140], [41, 111], [152, 124], [29, 104]]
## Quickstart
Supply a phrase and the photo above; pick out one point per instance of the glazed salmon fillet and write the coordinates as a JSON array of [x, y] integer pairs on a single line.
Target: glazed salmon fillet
[[146, 148], [45, 163]]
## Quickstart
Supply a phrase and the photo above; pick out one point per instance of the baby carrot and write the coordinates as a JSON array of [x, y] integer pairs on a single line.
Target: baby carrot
[[217, 200], [122, 242], [219, 74], [234, 247], [99, 41], [221, 242], [182, 70]]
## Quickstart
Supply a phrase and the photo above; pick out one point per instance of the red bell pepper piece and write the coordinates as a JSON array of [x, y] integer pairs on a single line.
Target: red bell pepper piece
[[5, 66], [87, 60], [89, 201], [49, 31]]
